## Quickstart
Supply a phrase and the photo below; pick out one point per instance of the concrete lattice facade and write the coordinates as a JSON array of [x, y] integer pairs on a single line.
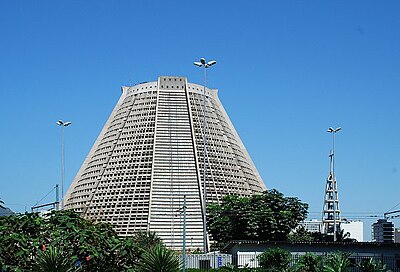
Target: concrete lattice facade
[[150, 154]]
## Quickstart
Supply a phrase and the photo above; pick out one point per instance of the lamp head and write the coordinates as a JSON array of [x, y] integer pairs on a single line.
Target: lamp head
[[197, 63], [211, 63], [203, 61], [60, 122], [66, 124]]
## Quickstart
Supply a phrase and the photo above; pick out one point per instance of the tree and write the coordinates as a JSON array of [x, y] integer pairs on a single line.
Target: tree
[[341, 236], [266, 216], [300, 234], [275, 260]]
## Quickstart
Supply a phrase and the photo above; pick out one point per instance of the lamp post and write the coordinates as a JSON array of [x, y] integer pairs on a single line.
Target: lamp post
[[332, 155], [62, 124], [203, 63], [184, 236]]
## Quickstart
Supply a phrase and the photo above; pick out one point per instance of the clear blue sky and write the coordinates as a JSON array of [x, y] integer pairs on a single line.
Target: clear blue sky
[[287, 70]]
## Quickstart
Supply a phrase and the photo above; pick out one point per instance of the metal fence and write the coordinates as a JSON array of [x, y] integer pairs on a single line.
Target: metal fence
[[392, 263], [208, 261], [214, 261]]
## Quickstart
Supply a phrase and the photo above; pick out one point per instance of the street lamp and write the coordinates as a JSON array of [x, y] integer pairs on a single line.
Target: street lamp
[[62, 124], [203, 63], [334, 131]]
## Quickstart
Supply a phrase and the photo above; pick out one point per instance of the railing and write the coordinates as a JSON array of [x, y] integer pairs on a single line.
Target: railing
[[392, 263], [208, 261], [214, 261]]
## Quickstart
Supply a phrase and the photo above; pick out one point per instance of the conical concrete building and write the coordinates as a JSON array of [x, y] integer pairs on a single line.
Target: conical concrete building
[[149, 155]]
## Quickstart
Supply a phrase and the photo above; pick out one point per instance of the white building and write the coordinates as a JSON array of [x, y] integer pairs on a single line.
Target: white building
[[149, 155], [313, 225], [355, 228]]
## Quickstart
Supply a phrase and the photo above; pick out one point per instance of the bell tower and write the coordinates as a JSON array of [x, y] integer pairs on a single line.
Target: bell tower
[[331, 212]]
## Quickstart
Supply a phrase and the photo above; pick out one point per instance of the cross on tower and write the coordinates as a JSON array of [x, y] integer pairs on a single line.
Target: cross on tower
[[331, 212]]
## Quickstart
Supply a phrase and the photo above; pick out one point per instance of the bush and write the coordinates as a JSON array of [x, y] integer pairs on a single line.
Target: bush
[[92, 246], [159, 259], [275, 259], [53, 260], [370, 265], [228, 268], [309, 263], [337, 262]]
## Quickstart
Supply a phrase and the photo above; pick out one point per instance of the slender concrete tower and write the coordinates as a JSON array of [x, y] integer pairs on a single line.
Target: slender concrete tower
[[149, 155], [331, 212]]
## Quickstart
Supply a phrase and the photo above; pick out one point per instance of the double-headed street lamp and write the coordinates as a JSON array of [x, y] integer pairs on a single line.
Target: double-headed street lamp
[[203, 63], [333, 131], [332, 155], [62, 124]]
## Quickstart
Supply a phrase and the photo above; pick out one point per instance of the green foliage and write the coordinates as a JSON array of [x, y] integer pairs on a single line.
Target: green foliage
[[265, 216], [146, 239], [301, 235], [95, 246], [237, 269], [274, 260], [337, 262], [371, 265], [159, 259], [19, 240], [309, 263], [227, 268], [341, 236], [53, 260]]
